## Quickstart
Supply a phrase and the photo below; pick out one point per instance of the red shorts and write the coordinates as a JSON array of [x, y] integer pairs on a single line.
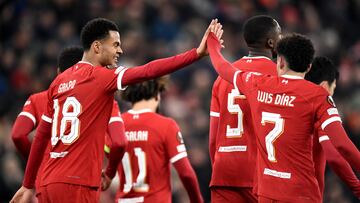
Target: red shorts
[[69, 193], [220, 194]]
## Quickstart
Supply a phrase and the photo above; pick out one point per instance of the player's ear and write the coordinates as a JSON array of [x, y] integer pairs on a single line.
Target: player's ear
[[270, 43], [96, 46], [308, 69]]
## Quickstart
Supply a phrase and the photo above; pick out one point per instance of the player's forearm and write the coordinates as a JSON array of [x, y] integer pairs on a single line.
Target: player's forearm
[[212, 137], [340, 166], [118, 146], [221, 65], [19, 134], [158, 68], [343, 144], [40, 142], [189, 180]]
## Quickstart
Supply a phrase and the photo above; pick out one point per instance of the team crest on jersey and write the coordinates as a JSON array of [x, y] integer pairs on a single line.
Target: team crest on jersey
[[179, 137], [331, 101]]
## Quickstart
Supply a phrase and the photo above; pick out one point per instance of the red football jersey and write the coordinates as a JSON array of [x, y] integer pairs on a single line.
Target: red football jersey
[[34, 108], [285, 111], [79, 108], [115, 116], [154, 141], [235, 138]]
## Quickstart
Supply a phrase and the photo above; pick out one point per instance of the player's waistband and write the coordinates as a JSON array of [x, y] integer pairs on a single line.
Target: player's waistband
[[131, 200]]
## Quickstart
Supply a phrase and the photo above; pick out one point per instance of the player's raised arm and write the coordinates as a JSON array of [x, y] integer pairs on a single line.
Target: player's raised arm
[[221, 65], [165, 66], [339, 165]]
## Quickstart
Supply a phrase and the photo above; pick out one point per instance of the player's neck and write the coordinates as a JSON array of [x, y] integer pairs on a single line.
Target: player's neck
[[88, 57], [293, 73], [259, 52], [146, 104]]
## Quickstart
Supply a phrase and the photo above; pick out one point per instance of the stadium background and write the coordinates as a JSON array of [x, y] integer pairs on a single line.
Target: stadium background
[[34, 31]]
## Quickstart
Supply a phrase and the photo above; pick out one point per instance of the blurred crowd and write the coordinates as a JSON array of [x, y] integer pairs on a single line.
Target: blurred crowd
[[32, 32]]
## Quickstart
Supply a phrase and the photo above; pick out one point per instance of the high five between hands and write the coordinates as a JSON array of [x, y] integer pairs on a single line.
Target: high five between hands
[[216, 28]]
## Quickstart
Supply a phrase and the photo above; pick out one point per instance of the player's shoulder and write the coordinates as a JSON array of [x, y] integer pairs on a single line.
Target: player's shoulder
[[39, 96]]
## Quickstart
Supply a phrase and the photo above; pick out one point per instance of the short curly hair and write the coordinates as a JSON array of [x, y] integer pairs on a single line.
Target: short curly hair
[[322, 69], [145, 90], [68, 57], [298, 51], [96, 29]]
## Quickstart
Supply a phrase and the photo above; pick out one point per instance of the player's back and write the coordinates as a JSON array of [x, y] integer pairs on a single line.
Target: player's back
[[286, 109], [235, 139], [81, 100], [145, 172]]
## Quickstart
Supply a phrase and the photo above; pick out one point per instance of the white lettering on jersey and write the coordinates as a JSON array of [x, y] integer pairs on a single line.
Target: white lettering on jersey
[[277, 99], [141, 135], [63, 87]]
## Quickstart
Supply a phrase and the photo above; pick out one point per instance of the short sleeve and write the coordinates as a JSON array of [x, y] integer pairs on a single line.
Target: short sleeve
[[174, 142], [50, 106], [326, 111], [29, 110], [244, 82], [214, 105], [115, 113], [110, 79]]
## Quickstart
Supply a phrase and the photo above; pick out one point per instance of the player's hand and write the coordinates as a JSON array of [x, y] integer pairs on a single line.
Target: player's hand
[[202, 49], [216, 28], [105, 181], [23, 195]]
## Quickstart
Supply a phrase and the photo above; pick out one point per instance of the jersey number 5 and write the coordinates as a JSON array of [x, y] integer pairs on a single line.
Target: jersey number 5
[[274, 134], [68, 118], [234, 109]]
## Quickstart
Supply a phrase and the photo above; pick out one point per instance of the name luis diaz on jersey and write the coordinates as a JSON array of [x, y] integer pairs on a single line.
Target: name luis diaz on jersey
[[277, 99], [63, 87]]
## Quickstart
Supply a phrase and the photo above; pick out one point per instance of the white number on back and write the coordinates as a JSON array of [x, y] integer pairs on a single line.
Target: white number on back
[[275, 133], [69, 118], [235, 109], [139, 185]]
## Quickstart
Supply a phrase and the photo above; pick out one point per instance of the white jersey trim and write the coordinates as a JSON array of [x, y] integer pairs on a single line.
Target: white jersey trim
[[277, 174], [114, 119], [86, 62], [236, 148], [214, 114], [131, 111], [323, 138], [291, 77], [131, 200], [330, 120], [29, 115], [178, 157], [55, 155], [256, 57], [47, 119], [120, 76]]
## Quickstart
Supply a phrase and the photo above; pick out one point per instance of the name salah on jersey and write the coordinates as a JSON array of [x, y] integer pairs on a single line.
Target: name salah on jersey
[[140, 135], [276, 99]]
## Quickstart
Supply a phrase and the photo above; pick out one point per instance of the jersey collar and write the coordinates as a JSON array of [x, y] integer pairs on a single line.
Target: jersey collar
[[85, 62], [256, 57], [291, 77], [131, 111]]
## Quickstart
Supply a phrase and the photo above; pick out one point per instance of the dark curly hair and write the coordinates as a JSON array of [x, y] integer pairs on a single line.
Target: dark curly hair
[[322, 69], [68, 57], [298, 51], [96, 29], [258, 29], [145, 90]]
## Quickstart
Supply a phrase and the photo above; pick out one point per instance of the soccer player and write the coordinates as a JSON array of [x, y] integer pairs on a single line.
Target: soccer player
[[232, 139], [155, 141], [285, 109], [78, 110], [324, 73]]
